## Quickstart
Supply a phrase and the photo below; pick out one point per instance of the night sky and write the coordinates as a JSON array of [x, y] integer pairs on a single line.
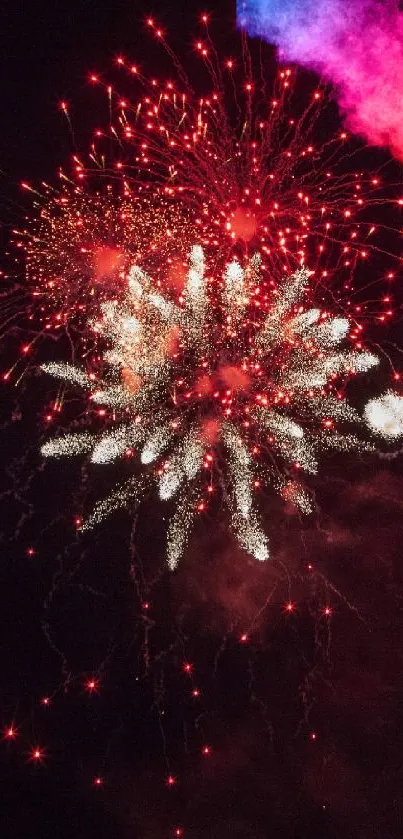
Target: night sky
[[271, 724]]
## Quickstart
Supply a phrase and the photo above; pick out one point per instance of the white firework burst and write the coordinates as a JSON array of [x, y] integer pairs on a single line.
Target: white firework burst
[[384, 415], [206, 391]]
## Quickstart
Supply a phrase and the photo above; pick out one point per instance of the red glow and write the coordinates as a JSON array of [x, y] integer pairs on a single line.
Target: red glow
[[176, 275], [10, 733], [204, 385], [243, 222], [170, 342], [211, 431], [37, 755], [106, 262], [131, 380], [234, 378]]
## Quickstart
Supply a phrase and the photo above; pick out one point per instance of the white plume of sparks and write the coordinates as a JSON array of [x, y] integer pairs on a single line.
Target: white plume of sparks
[[197, 392], [156, 443], [234, 289], [180, 525], [69, 445], [115, 443], [301, 323], [384, 415], [128, 494], [240, 463], [331, 332], [184, 465], [196, 300], [288, 438], [195, 283], [244, 519], [67, 372], [295, 493], [250, 536], [327, 407], [305, 376]]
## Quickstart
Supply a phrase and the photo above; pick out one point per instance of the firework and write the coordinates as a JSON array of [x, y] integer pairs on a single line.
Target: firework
[[239, 169], [180, 245], [214, 391]]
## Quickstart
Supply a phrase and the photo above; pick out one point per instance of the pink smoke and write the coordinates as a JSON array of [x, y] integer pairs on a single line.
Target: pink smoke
[[355, 44]]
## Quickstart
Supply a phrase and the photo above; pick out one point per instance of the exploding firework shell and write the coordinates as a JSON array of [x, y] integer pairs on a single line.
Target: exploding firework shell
[[189, 415], [180, 244]]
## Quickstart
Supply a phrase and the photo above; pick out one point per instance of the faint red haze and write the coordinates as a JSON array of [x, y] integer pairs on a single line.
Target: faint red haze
[[243, 224], [176, 276], [131, 380], [234, 378], [107, 261]]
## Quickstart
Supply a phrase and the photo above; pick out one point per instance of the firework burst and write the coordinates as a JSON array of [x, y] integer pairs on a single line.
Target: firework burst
[[179, 246], [241, 168], [214, 391]]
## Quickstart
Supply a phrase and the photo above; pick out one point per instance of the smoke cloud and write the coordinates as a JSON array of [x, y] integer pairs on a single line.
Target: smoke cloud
[[355, 44]]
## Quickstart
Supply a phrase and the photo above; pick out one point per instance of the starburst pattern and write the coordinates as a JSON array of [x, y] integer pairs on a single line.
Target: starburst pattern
[[212, 391]]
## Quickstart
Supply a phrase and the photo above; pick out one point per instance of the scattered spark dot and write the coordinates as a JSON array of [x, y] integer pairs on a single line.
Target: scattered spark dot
[[37, 755], [10, 733]]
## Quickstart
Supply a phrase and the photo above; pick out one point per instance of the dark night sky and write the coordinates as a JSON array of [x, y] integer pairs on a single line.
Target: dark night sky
[[48, 51], [260, 702]]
